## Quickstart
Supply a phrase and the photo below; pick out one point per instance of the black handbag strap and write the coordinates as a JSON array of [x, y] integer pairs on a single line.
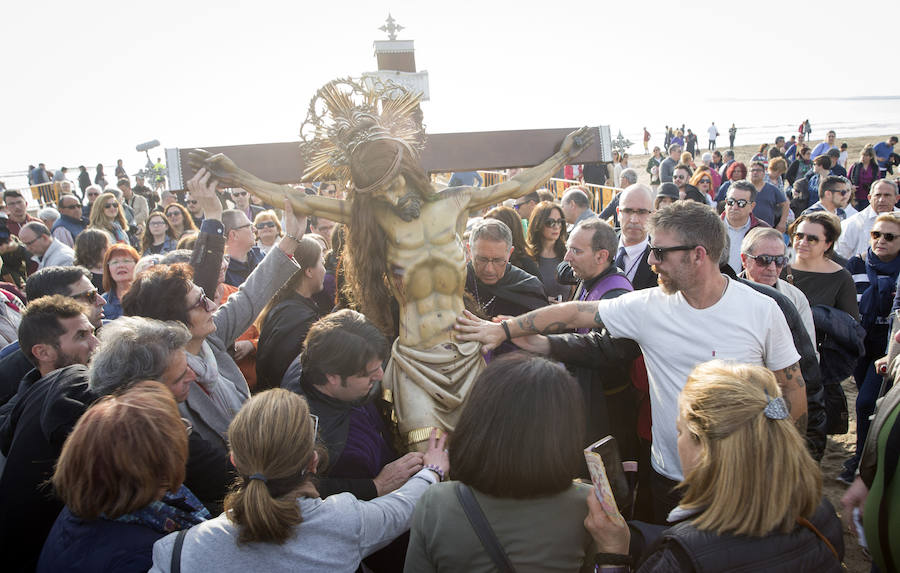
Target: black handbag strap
[[175, 567], [483, 529]]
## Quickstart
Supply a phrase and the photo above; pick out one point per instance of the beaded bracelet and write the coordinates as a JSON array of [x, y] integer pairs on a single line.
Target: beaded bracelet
[[436, 470]]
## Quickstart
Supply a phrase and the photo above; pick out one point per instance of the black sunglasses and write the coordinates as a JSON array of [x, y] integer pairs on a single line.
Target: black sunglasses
[[741, 203], [659, 253], [811, 239], [766, 260], [553, 222], [265, 224], [889, 237]]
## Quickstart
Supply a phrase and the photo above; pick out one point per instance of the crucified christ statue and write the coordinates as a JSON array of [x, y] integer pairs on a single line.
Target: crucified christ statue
[[404, 241]]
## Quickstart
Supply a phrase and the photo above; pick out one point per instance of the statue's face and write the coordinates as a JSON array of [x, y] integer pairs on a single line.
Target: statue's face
[[393, 192], [405, 203]]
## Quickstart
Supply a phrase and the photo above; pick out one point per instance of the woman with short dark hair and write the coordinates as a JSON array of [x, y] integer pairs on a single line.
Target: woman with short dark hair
[[517, 446], [120, 474]]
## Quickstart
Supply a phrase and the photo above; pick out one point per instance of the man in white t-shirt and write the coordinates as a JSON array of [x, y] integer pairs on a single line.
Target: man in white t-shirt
[[696, 315]]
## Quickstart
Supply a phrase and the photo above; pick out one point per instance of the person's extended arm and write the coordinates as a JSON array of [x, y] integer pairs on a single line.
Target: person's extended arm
[[548, 320], [529, 179], [790, 380], [227, 174]]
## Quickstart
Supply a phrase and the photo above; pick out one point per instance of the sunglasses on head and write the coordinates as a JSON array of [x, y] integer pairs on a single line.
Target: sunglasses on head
[[889, 237], [741, 203], [766, 260], [553, 222]]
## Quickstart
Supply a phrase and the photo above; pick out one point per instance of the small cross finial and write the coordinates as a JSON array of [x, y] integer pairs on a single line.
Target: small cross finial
[[391, 28]]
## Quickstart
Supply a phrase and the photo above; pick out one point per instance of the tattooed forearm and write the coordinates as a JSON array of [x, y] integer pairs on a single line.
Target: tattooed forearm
[[793, 389], [554, 318]]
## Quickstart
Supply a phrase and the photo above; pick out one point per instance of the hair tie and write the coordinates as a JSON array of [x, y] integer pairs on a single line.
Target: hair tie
[[258, 476], [776, 409]]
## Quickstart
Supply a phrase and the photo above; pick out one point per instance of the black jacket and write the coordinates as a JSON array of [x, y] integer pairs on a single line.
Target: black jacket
[[644, 277], [809, 369], [684, 548], [281, 338], [32, 438], [609, 397], [517, 292]]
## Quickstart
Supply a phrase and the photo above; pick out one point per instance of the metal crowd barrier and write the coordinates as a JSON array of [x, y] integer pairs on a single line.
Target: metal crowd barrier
[[600, 195]]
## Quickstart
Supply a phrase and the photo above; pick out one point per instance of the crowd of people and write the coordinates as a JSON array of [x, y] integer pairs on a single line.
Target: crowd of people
[[186, 382]]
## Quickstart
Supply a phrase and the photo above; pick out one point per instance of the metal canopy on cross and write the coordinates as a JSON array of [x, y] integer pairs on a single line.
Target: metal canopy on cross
[[391, 28]]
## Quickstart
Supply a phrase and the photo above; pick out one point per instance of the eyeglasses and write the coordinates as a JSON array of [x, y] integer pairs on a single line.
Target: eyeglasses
[[171, 214], [122, 262], [550, 223], [659, 253], [93, 194], [111, 206], [239, 193], [484, 261], [841, 191], [628, 212], [265, 225], [87, 296], [811, 239], [766, 260], [157, 223], [704, 180], [889, 237], [204, 301], [741, 203], [242, 227]]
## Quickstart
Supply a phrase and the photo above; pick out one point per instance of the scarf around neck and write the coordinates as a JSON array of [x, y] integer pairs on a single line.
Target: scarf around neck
[[175, 511], [877, 299]]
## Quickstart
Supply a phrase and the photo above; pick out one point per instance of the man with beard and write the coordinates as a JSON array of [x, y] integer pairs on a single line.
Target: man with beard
[[72, 282], [404, 254], [54, 334], [695, 316], [498, 287]]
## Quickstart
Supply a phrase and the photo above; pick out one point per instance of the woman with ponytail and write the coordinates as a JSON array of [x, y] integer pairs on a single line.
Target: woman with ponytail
[[274, 519]]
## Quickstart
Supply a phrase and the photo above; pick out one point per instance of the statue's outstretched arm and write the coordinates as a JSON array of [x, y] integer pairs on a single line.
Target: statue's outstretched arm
[[228, 174], [530, 179]]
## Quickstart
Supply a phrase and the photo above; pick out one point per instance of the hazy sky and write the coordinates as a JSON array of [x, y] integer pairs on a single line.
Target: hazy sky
[[87, 81]]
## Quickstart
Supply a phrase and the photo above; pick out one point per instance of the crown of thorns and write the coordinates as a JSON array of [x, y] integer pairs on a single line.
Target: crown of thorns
[[346, 113]]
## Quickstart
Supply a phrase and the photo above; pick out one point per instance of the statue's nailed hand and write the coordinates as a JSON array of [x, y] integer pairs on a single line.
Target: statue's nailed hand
[[223, 169], [577, 141]]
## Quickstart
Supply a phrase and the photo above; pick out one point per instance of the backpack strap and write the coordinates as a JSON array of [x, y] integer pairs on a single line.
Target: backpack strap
[[175, 567], [482, 529]]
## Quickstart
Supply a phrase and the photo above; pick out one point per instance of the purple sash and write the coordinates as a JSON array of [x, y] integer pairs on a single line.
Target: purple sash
[[604, 285]]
